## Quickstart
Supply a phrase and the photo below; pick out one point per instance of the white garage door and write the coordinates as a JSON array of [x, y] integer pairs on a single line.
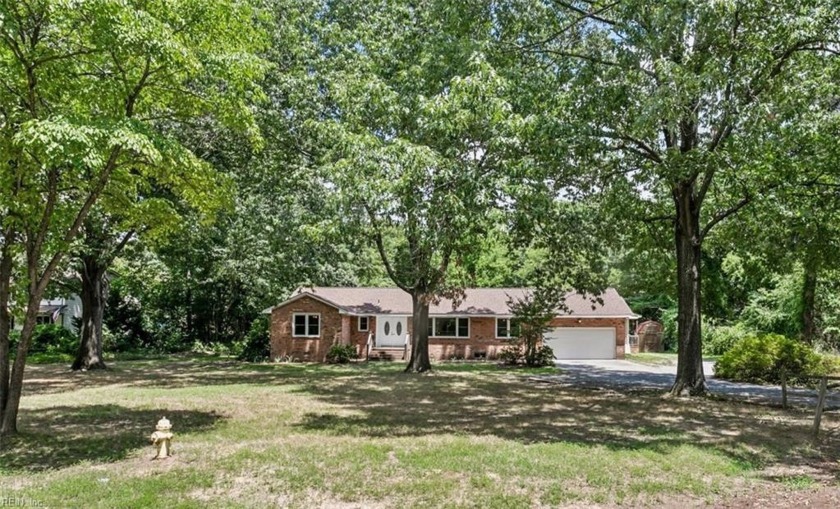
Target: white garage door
[[581, 343]]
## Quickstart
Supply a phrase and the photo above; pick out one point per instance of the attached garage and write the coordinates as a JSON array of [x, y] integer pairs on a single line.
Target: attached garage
[[582, 343]]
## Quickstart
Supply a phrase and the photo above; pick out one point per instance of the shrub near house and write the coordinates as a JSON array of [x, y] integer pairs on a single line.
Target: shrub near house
[[50, 339], [763, 358], [341, 354], [719, 339]]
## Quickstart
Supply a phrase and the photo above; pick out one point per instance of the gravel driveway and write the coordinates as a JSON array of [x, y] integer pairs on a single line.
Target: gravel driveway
[[622, 374]]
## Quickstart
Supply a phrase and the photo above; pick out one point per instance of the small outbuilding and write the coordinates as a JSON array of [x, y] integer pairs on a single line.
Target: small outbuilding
[[649, 337]]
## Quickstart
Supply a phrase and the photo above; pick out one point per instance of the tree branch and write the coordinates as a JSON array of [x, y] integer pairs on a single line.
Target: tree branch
[[655, 219], [723, 132], [725, 128], [643, 147], [781, 58], [135, 93], [638, 152], [591, 58], [380, 246], [63, 56], [120, 246], [565, 28], [720, 216], [706, 184], [34, 245], [594, 15], [71, 233]]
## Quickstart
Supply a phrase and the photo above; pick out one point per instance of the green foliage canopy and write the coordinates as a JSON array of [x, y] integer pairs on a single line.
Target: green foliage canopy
[[90, 92]]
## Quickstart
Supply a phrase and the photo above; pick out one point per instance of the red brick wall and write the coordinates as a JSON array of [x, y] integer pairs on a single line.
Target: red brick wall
[[360, 338], [482, 341], [617, 323], [308, 349]]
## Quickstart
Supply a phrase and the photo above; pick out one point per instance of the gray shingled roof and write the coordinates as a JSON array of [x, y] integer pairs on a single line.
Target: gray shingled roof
[[478, 301]]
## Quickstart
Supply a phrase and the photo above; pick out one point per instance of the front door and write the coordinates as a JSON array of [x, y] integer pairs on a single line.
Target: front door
[[391, 330]]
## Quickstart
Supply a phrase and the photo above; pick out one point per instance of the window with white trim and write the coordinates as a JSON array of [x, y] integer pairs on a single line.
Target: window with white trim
[[306, 325], [507, 328], [449, 327], [364, 324]]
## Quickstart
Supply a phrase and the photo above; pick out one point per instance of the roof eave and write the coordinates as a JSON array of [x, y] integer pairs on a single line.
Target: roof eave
[[301, 295]]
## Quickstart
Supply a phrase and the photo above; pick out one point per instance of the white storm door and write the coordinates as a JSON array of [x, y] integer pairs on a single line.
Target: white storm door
[[391, 330]]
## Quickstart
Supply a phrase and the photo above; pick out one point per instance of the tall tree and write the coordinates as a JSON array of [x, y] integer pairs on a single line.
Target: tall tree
[[692, 109], [100, 249], [120, 218], [90, 91], [283, 229], [150, 208], [416, 121], [795, 232]]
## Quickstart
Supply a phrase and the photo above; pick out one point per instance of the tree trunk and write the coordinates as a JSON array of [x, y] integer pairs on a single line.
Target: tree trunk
[[8, 426], [419, 361], [94, 294], [189, 306], [5, 322], [688, 239], [809, 293]]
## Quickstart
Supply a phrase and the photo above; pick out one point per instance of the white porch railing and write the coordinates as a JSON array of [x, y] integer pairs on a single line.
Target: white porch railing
[[371, 340]]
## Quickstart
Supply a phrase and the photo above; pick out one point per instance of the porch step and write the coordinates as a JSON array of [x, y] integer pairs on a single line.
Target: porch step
[[387, 354]]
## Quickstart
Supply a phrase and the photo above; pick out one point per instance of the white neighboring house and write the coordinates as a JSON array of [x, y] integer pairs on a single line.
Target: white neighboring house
[[61, 311]]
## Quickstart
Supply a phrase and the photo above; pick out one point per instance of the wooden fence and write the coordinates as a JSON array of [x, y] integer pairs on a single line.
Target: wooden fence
[[824, 386]]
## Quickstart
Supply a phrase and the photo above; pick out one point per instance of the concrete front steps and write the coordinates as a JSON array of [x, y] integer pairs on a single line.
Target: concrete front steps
[[387, 354]]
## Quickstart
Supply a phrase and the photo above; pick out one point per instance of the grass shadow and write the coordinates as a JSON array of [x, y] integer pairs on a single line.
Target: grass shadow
[[512, 408], [158, 373], [96, 433], [179, 371], [378, 400], [174, 372]]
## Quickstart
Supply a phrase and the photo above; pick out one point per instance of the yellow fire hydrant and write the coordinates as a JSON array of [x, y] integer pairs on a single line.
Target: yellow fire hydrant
[[162, 438]]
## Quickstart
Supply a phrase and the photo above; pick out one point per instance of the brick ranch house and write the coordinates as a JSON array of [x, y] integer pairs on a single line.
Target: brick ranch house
[[378, 322]]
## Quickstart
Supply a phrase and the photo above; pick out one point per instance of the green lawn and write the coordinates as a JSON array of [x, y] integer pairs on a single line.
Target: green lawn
[[466, 435], [653, 359], [661, 358]]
